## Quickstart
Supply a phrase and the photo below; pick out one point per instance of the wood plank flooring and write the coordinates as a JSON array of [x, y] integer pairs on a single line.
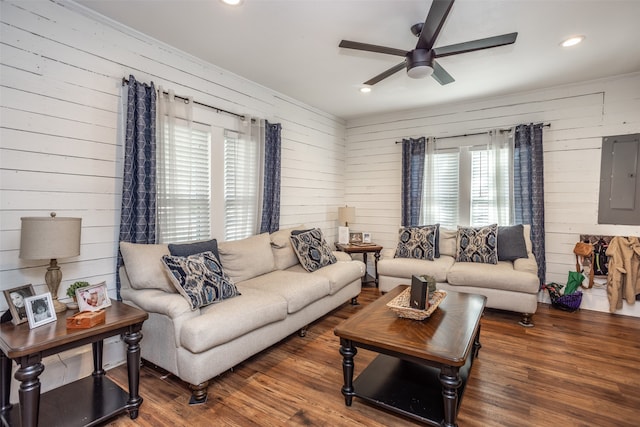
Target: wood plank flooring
[[571, 369]]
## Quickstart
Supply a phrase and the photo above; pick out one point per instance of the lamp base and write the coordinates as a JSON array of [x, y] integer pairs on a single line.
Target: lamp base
[[58, 306], [52, 278]]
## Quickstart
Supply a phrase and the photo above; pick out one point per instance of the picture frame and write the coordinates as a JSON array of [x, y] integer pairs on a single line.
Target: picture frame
[[355, 238], [93, 298], [366, 237], [40, 310], [15, 299]]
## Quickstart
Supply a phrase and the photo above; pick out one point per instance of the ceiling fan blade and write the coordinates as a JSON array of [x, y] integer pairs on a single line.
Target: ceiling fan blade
[[471, 46], [441, 75], [386, 74], [433, 24], [372, 48]]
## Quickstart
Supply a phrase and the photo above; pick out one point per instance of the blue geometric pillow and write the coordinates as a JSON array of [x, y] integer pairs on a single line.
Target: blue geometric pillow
[[418, 242], [200, 278], [478, 244], [312, 250]]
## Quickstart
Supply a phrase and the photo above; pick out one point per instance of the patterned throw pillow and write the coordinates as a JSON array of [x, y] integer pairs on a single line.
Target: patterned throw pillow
[[200, 278], [478, 244], [312, 250], [418, 242]]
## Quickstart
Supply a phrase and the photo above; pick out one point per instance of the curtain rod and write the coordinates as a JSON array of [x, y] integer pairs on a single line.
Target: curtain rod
[[546, 125], [125, 81]]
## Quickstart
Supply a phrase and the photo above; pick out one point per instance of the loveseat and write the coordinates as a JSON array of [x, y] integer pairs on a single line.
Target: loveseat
[[510, 284], [277, 298]]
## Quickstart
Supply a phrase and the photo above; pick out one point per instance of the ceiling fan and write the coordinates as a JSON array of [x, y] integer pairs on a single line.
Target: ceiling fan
[[420, 62]]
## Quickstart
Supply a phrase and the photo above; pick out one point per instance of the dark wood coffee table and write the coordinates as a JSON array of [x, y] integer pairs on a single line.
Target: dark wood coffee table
[[423, 366]]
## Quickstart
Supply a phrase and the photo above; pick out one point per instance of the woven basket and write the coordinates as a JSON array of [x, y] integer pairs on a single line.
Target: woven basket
[[400, 305]]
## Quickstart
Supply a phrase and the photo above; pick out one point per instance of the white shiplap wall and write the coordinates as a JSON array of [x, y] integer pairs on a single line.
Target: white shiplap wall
[[60, 95], [580, 115]]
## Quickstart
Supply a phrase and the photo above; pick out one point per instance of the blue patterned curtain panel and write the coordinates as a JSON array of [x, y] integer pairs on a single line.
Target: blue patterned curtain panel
[[413, 152], [270, 220]]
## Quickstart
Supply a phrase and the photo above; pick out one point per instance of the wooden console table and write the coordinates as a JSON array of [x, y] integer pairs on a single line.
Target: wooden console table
[[364, 249], [88, 401]]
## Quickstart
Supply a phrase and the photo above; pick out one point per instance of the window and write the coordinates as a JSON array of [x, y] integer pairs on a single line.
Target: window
[[241, 185], [468, 185], [209, 175], [184, 185]]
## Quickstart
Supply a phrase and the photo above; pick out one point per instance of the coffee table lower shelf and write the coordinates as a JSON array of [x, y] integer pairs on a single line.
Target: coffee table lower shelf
[[86, 402], [408, 388]]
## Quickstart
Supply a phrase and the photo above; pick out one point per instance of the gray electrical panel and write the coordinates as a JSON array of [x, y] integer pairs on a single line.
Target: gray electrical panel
[[619, 180]]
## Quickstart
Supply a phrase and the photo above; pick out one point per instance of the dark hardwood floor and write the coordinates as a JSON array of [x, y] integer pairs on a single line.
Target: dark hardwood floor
[[571, 369]]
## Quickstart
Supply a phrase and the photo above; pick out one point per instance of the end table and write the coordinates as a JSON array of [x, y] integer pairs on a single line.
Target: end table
[[364, 249], [89, 400]]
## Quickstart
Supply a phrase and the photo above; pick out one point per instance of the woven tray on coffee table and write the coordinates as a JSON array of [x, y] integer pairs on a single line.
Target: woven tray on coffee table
[[400, 305]]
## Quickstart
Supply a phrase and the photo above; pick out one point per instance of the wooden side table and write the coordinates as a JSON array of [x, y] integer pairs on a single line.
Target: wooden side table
[[364, 249], [88, 401]]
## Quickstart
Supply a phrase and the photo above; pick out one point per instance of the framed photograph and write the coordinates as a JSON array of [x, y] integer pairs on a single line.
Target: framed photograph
[[366, 237], [40, 310], [93, 298], [15, 299], [355, 238]]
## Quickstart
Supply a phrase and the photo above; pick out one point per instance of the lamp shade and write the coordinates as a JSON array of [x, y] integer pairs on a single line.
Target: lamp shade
[[50, 238], [346, 214]]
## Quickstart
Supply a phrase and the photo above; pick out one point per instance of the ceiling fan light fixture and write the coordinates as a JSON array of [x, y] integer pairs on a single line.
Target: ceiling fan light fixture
[[420, 71], [572, 41], [419, 63], [365, 89]]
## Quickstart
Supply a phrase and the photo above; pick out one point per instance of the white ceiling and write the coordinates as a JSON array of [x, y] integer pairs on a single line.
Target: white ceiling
[[291, 46]]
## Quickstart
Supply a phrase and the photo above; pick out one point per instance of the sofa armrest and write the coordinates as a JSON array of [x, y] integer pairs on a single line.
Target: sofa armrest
[[157, 301], [342, 256], [528, 265]]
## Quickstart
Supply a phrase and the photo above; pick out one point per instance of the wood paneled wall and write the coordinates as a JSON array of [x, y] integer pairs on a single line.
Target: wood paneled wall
[[580, 115], [60, 118]]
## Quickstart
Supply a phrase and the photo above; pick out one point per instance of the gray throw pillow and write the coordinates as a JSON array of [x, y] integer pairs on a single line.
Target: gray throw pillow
[[511, 244], [478, 244], [192, 248]]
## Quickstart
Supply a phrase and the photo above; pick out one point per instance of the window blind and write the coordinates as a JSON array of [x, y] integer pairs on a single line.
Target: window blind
[[241, 168], [445, 197], [185, 195]]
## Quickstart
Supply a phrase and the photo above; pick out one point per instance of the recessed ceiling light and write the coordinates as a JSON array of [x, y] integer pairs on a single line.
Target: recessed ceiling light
[[232, 2], [572, 41], [365, 89]]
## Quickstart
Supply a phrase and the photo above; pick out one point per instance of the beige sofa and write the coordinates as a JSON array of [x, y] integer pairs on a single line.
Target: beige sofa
[[508, 285], [278, 297]]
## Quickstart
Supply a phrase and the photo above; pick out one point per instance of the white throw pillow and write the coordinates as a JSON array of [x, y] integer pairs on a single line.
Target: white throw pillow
[[145, 267]]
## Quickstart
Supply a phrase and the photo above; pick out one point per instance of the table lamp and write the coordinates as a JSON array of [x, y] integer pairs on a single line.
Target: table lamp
[[345, 216], [50, 238]]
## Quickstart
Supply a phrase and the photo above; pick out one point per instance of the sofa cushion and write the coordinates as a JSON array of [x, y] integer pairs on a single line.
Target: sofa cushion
[[494, 276], [247, 258], [221, 323], [339, 274], [511, 244], [477, 244], [145, 267], [447, 242], [299, 289], [200, 279], [312, 250], [192, 248], [407, 267], [283, 254], [418, 242]]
